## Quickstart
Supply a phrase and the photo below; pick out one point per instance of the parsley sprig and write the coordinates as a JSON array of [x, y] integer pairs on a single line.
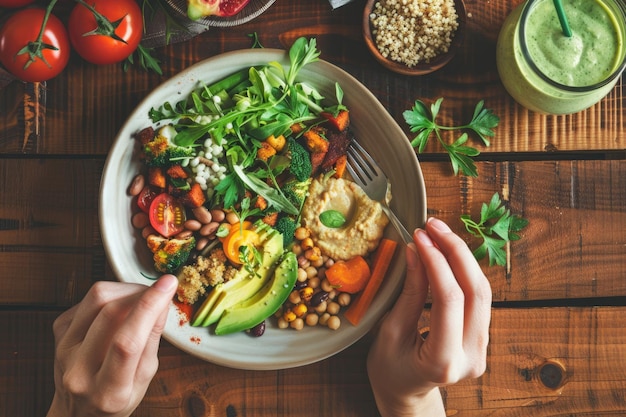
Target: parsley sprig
[[422, 121], [496, 227]]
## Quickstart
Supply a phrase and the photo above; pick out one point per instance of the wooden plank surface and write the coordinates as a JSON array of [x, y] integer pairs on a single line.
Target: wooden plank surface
[[83, 116], [566, 174], [578, 345], [573, 247]]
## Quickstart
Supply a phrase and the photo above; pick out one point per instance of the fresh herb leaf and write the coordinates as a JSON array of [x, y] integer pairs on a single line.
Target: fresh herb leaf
[[496, 227], [422, 121], [256, 43], [332, 219]]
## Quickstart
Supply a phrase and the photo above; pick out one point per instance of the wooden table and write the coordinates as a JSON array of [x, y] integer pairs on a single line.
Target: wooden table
[[558, 336]]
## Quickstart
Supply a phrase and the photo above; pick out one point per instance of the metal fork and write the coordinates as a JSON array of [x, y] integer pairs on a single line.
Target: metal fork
[[370, 177]]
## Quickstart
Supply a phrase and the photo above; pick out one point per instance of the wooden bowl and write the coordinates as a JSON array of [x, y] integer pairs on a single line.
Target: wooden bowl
[[421, 68]]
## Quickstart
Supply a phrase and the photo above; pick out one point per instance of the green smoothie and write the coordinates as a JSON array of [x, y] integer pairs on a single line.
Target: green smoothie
[[548, 72]]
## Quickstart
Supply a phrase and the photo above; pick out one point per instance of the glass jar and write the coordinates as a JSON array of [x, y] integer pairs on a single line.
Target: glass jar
[[547, 72]]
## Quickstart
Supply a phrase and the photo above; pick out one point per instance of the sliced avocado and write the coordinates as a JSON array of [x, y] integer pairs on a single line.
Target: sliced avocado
[[243, 285], [266, 302]]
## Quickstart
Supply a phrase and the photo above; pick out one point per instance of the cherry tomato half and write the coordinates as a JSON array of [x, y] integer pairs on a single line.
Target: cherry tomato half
[[22, 28], [167, 215], [103, 49]]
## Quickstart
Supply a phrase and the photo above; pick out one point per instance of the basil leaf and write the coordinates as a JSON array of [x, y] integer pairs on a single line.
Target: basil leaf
[[332, 219]]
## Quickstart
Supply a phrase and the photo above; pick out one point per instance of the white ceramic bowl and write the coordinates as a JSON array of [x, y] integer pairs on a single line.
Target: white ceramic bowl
[[253, 9], [276, 349]]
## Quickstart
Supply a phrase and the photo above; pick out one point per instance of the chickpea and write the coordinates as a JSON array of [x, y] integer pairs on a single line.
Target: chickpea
[[307, 243], [282, 323], [324, 319], [297, 324], [317, 262], [232, 217], [311, 271], [294, 297], [333, 322], [313, 254], [312, 319], [297, 249], [302, 276], [314, 282], [326, 286], [344, 299], [333, 308], [321, 307], [302, 233]]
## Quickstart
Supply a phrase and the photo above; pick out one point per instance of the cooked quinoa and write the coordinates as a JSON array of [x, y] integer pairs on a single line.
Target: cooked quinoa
[[193, 280], [413, 31]]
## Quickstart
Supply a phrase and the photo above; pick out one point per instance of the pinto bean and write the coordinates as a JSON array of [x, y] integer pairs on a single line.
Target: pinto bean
[[218, 215], [185, 234], [193, 225], [208, 229], [202, 214], [140, 220], [137, 185], [201, 243]]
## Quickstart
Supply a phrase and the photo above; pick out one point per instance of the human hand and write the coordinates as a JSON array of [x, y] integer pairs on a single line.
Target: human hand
[[405, 370], [106, 348]]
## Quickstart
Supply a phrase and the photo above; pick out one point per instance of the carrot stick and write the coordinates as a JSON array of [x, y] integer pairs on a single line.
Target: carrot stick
[[380, 265]]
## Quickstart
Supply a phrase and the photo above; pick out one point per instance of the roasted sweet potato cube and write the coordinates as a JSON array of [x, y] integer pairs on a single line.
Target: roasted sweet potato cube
[[340, 122], [156, 177], [340, 166], [194, 197], [177, 171], [315, 140]]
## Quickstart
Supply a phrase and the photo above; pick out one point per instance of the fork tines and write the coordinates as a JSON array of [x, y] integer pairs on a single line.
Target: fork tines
[[361, 163]]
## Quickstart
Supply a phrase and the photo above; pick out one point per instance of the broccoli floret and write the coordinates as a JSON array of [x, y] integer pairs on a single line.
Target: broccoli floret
[[287, 226], [300, 166], [161, 151], [170, 254], [296, 191]]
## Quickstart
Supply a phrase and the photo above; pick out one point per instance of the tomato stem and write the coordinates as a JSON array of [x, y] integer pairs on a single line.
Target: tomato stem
[[35, 49], [105, 26]]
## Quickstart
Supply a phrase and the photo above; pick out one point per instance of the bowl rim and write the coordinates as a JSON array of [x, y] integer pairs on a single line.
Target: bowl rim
[[421, 68], [122, 268]]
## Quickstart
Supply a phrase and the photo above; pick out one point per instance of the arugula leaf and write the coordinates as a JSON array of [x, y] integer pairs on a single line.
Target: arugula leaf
[[422, 121], [496, 227], [274, 196]]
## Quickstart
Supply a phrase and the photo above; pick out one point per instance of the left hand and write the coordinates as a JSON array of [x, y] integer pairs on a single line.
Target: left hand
[[106, 348]]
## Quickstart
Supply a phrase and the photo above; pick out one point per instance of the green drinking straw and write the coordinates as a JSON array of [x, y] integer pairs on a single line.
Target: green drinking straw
[[558, 4]]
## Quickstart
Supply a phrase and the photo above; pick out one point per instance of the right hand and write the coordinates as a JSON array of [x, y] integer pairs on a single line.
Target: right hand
[[405, 371]]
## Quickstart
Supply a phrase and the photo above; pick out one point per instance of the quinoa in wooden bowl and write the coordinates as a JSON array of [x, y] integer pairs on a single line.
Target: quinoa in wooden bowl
[[413, 37]]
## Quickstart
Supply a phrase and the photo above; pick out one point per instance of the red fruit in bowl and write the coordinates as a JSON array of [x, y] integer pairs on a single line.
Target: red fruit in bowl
[[197, 9]]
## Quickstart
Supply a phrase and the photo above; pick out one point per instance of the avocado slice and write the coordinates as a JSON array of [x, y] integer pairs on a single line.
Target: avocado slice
[[266, 302], [243, 285]]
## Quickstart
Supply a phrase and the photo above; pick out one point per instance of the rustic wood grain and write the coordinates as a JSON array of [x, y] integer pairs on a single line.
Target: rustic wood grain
[[566, 174], [87, 104], [573, 247], [581, 343]]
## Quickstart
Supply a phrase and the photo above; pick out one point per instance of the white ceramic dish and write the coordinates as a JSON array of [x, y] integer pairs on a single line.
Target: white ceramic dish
[[276, 349]]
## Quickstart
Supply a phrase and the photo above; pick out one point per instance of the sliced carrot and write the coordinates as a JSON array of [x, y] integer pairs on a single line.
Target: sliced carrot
[[380, 265], [349, 276]]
